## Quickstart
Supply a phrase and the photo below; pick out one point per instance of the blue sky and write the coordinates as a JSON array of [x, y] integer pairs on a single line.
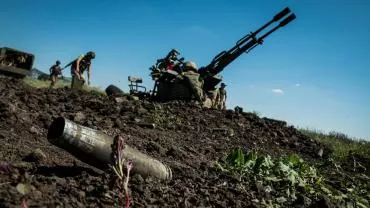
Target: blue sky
[[312, 73]]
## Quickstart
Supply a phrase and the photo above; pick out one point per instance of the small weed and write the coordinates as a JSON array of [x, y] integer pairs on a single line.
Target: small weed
[[119, 163], [24, 203]]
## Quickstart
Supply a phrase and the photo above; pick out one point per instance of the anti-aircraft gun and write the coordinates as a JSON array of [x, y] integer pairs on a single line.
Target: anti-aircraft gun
[[171, 85], [210, 72]]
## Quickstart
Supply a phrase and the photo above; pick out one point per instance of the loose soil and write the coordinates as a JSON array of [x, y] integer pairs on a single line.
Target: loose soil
[[187, 138]]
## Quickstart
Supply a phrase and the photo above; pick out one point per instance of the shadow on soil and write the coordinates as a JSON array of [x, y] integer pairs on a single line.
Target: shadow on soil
[[65, 171]]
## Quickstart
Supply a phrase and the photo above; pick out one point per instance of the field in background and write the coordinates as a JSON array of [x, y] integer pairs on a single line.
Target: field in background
[[46, 83], [61, 83], [341, 144]]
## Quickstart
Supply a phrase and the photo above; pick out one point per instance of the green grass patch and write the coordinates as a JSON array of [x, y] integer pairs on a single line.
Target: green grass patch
[[341, 144], [94, 90], [283, 181], [61, 84], [45, 83]]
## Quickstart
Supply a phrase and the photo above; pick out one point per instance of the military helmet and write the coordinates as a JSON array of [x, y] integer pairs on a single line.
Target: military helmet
[[191, 65], [175, 51], [91, 54], [58, 62]]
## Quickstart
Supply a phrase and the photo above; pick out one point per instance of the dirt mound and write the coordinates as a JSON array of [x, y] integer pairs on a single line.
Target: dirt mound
[[185, 137]]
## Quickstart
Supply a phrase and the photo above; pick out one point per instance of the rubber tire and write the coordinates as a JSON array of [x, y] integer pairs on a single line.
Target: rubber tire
[[113, 90]]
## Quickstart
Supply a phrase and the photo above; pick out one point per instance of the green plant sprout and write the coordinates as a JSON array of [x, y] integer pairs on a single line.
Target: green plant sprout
[[118, 168]]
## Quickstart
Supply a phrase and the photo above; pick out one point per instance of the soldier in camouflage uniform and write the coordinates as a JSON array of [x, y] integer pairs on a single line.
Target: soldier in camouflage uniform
[[171, 59], [55, 70], [213, 96], [191, 75], [78, 67], [221, 97]]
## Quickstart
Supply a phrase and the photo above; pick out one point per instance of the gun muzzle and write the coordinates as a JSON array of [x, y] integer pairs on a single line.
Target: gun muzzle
[[95, 148], [287, 20], [281, 14]]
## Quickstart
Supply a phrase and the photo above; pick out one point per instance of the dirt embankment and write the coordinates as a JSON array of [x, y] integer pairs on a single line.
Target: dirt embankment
[[187, 138]]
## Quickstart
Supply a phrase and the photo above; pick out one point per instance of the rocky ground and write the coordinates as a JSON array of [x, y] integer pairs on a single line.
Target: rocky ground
[[185, 137]]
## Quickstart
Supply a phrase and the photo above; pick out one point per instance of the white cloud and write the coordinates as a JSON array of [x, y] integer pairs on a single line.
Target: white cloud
[[298, 85], [202, 31], [278, 91]]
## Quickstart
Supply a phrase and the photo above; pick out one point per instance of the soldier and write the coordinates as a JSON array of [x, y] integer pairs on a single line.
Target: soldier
[[55, 70], [213, 96], [168, 62], [191, 75], [78, 67], [171, 59], [221, 97]]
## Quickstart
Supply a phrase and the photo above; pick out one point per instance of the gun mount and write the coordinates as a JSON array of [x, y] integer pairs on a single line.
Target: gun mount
[[171, 83], [244, 45], [15, 63], [135, 85]]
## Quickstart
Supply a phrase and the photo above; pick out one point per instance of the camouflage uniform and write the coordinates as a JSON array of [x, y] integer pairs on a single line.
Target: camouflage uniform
[[195, 84], [213, 96], [55, 70], [221, 97], [84, 64], [222, 93], [193, 78]]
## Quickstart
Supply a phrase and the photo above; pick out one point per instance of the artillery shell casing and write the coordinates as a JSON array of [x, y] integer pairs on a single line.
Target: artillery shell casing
[[95, 148]]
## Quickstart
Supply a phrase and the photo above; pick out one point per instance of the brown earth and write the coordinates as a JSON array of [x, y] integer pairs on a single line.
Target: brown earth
[[187, 138]]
